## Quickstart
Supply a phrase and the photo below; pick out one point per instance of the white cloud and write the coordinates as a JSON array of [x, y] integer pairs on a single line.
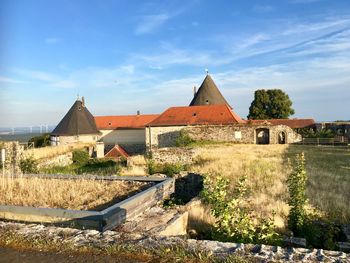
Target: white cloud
[[10, 80], [37, 75], [149, 24]]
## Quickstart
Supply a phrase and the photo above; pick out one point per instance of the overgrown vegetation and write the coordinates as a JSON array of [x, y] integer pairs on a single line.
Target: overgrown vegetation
[[29, 165], [234, 221], [297, 196], [319, 232], [92, 166], [170, 169], [310, 133], [184, 139], [42, 140], [80, 157], [79, 194]]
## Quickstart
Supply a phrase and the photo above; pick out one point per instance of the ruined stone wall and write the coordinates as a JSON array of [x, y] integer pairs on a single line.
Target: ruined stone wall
[[13, 152], [59, 160], [160, 137], [174, 155]]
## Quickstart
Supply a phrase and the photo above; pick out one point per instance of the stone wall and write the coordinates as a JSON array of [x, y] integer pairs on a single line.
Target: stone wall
[[59, 160], [13, 156], [160, 137], [174, 155]]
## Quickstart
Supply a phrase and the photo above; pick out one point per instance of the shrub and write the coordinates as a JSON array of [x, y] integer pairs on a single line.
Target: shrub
[[297, 196], [168, 168], [28, 165], [80, 157], [234, 223], [183, 139], [41, 140]]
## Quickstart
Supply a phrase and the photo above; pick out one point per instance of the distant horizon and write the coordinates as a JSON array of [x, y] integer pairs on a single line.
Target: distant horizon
[[124, 56]]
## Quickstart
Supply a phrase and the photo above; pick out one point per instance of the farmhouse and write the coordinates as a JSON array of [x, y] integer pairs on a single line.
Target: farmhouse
[[208, 117]]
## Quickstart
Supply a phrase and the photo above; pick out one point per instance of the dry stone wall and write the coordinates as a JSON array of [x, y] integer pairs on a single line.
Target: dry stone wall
[[174, 155], [13, 152], [160, 137]]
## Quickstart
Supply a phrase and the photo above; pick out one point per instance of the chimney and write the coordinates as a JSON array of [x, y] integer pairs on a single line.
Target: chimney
[[138, 112], [82, 101], [194, 91]]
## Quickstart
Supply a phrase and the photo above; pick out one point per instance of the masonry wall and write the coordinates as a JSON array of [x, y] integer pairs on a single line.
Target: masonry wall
[[74, 139], [160, 137]]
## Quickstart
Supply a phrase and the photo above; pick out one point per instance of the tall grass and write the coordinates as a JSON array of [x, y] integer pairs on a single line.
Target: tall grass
[[267, 168], [80, 194]]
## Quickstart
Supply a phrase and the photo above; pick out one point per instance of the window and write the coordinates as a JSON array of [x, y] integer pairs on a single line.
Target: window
[[238, 135]]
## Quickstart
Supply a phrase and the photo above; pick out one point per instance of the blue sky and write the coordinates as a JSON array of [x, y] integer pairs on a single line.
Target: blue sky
[[125, 56]]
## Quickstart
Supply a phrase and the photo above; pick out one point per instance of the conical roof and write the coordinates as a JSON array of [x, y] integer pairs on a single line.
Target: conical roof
[[208, 94], [77, 121]]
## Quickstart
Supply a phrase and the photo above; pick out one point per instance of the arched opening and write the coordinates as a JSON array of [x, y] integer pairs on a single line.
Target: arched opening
[[262, 136], [282, 138]]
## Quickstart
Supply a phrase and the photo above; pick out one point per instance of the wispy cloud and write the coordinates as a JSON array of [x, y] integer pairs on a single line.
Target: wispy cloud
[[52, 40], [37, 75], [149, 24], [10, 80]]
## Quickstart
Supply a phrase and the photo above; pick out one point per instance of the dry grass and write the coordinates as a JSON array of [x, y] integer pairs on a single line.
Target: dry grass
[[51, 151], [267, 169], [263, 165], [79, 194], [137, 166]]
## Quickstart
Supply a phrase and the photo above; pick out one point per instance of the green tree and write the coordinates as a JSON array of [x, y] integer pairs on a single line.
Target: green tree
[[270, 104]]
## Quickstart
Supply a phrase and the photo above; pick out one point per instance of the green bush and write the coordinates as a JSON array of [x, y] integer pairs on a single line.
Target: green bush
[[168, 168], [28, 165], [234, 222], [183, 139], [41, 140], [297, 196], [80, 157]]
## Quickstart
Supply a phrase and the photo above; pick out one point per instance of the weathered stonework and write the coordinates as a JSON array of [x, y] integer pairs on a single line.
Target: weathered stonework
[[13, 152], [160, 137], [174, 155], [59, 160], [262, 253]]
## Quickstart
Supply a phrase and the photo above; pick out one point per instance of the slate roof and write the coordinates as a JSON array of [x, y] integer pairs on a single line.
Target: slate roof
[[197, 115], [292, 123], [77, 121], [208, 94], [127, 121]]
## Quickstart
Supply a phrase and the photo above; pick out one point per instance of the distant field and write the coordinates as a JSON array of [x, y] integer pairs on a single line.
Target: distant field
[[18, 137], [267, 168]]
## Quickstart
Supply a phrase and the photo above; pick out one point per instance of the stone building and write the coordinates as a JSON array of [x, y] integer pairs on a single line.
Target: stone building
[[214, 123], [78, 125]]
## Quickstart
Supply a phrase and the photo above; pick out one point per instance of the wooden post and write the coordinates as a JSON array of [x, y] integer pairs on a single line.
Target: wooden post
[[2, 159]]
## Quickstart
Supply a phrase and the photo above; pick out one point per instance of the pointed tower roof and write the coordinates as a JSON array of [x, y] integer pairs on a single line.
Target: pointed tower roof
[[208, 94], [77, 121]]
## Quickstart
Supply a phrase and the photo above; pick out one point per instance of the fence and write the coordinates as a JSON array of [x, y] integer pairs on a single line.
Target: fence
[[325, 141]]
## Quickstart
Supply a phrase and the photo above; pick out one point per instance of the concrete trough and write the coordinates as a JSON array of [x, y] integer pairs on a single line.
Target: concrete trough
[[106, 219]]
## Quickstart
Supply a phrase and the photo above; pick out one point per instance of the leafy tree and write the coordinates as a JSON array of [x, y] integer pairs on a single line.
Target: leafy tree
[[270, 104], [41, 140]]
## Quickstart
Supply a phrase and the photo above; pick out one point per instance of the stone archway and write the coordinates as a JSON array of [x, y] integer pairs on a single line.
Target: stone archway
[[262, 136], [282, 138]]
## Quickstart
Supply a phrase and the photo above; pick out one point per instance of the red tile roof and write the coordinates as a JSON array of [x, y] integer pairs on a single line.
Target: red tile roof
[[127, 121], [197, 115], [116, 152], [293, 123]]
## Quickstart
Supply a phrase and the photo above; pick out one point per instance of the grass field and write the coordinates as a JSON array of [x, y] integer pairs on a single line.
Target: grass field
[[76, 194], [267, 168]]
